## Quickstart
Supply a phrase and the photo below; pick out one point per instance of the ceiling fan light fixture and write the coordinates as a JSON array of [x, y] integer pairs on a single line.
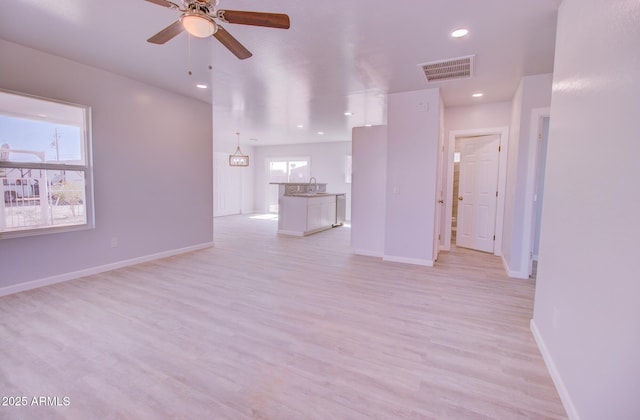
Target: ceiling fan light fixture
[[198, 25]]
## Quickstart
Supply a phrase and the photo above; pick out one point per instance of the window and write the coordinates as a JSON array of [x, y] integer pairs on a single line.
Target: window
[[292, 169], [45, 158], [348, 169], [289, 170]]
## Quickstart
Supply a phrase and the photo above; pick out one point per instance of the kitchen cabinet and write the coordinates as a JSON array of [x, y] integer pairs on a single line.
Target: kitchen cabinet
[[305, 214], [321, 212]]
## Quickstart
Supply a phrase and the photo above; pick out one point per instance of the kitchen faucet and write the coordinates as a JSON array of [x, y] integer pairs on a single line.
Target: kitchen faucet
[[315, 184]]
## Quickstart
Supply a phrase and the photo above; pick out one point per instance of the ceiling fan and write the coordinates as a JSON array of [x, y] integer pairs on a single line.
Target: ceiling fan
[[198, 16]]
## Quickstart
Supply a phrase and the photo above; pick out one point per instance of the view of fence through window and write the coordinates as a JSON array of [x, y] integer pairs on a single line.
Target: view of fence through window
[[23, 207], [44, 170]]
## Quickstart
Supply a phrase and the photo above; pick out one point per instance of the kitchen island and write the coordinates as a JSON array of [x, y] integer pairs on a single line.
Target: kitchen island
[[306, 208]]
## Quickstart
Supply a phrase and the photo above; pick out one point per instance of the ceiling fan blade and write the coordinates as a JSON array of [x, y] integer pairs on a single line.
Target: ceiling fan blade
[[232, 44], [271, 20], [167, 33], [164, 3]]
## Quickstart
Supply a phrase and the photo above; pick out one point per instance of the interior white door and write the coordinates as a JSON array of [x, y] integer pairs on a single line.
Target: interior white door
[[227, 186], [477, 194]]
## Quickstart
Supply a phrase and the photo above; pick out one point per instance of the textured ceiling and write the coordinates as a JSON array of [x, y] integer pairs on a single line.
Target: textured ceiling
[[338, 56]]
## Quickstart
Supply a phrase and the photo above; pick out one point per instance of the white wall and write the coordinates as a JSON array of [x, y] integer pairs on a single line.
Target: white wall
[[533, 92], [327, 165], [473, 117], [368, 190], [412, 159], [248, 179], [587, 274], [233, 181], [512, 161], [152, 168]]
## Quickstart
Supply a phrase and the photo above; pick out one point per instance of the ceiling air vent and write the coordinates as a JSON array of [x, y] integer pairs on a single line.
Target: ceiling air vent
[[452, 69]]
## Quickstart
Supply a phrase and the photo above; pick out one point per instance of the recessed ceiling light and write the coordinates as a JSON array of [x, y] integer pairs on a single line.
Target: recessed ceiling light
[[201, 86], [348, 113], [321, 132], [459, 33], [367, 125], [478, 95], [300, 126]]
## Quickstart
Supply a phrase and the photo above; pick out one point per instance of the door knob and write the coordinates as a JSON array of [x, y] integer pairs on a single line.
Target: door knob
[[460, 198], [441, 201]]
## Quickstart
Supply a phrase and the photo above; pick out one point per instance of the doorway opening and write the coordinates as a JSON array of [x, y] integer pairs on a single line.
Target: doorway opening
[[475, 203], [456, 191], [484, 218], [535, 188]]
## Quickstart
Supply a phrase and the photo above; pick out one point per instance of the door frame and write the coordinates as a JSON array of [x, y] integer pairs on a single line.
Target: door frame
[[440, 199], [535, 131], [503, 132]]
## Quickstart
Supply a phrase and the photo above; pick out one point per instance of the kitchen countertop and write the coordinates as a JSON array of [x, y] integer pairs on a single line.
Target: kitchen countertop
[[307, 195]]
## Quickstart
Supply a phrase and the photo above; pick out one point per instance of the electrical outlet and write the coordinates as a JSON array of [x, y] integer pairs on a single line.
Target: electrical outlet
[[554, 321], [114, 242]]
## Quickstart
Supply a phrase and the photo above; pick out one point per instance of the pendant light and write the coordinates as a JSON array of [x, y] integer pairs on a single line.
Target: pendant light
[[238, 159]]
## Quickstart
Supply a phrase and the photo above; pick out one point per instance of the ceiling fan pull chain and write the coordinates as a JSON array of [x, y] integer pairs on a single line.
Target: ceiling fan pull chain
[[189, 52]]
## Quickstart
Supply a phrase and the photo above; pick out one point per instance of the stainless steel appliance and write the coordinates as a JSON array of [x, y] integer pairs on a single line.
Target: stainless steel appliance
[[341, 209]]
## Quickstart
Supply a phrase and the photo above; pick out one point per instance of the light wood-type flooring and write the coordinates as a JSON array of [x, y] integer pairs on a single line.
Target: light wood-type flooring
[[273, 327]]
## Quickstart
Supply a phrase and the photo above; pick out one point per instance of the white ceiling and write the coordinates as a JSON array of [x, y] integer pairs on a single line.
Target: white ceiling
[[339, 55]]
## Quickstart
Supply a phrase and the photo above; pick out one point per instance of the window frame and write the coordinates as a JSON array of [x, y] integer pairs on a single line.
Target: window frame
[[348, 169], [271, 196], [288, 160], [86, 168]]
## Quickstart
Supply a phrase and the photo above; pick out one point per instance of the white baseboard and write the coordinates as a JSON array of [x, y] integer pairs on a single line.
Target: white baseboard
[[290, 232], [367, 253], [414, 261], [47, 281], [513, 273], [567, 402]]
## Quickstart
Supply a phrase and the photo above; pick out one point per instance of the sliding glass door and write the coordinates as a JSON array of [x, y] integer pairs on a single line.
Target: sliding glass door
[[291, 169]]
